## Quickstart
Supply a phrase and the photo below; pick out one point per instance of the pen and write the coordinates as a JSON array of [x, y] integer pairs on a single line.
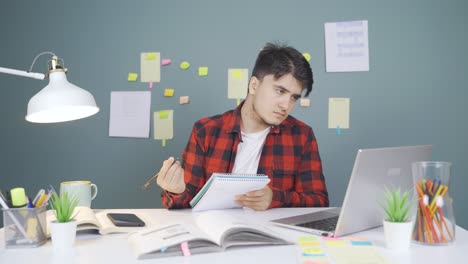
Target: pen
[[38, 196], [148, 182]]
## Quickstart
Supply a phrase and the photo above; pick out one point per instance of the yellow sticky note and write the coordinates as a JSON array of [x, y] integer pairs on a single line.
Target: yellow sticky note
[[335, 243], [185, 65], [237, 74], [151, 56], [163, 114], [132, 77], [309, 244], [307, 239], [306, 56], [168, 92], [202, 71]]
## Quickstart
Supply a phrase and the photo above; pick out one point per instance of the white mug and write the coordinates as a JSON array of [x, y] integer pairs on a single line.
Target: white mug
[[84, 191]]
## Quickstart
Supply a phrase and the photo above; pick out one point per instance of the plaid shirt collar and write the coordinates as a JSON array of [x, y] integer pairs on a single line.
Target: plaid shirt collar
[[232, 125]]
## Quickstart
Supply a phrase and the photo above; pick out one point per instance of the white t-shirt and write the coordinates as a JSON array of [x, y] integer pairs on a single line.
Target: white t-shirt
[[249, 152]]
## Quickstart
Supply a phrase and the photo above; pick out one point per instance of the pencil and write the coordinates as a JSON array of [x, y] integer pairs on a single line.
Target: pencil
[[148, 182]]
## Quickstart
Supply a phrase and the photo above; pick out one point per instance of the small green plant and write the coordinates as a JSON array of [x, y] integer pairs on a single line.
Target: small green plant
[[397, 205], [64, 205]]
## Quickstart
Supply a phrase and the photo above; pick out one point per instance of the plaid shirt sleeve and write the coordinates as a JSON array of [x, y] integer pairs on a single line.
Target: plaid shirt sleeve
[[194, 174], [304, 184]]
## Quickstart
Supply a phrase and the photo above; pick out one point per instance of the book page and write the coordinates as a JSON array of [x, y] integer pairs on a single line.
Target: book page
[[84, 216], [221, 227], [165, 240]]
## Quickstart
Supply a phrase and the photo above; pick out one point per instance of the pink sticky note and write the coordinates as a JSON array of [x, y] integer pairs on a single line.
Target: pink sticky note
[[184, 100], [165, 62], [185, 249], [150, 85]]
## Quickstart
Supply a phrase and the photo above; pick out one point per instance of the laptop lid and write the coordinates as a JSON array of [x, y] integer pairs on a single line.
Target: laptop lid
[[373, 169]]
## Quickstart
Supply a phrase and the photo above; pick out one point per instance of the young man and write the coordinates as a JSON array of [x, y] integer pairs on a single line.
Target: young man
[[259, 136]]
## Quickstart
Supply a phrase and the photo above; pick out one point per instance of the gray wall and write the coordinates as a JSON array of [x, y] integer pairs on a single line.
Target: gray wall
[[414, 93]]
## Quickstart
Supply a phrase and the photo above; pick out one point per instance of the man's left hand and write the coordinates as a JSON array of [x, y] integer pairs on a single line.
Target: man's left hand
[[258, 200]]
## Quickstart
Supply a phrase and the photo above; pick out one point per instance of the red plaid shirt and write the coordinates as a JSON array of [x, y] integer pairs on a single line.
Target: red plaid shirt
[[289, 157]]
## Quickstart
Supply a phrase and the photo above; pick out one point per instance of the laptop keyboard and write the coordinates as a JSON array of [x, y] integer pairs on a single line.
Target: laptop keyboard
[[327, 224]]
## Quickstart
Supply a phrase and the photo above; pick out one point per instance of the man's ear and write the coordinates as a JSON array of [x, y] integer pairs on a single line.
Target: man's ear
[[253, 84]]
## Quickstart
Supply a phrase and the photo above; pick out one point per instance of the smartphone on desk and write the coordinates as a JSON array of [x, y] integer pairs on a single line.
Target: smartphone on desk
[[121, 219]]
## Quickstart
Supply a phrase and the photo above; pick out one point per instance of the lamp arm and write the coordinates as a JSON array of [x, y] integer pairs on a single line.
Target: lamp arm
[[34, 75]]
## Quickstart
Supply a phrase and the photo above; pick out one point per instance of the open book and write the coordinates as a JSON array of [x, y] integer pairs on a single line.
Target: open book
[[220, 190], [88, 220], [209, 232]]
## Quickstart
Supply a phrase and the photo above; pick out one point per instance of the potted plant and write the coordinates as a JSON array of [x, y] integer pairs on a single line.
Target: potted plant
[[398, 225], [63, 229]]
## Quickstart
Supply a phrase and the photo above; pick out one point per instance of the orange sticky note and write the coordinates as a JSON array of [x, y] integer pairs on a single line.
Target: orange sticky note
[[184, 100]]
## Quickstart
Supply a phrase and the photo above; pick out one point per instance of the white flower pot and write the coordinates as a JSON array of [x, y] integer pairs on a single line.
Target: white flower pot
[[398, 235], [63, 234]]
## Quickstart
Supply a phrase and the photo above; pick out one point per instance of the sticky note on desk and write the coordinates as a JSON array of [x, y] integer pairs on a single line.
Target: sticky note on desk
[[132, 77], [202, 71], [335, 243], [168, 92]]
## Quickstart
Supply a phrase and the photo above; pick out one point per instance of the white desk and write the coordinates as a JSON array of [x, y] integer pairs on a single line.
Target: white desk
[[113, 248]]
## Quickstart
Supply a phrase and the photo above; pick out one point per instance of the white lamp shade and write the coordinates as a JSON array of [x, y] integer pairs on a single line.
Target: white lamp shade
[[60, 101]]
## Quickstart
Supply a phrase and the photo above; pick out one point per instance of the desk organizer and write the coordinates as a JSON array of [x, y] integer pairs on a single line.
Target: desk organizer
[[25, 227]]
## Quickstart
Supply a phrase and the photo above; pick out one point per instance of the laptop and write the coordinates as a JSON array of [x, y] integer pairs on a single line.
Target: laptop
[[373, 169]]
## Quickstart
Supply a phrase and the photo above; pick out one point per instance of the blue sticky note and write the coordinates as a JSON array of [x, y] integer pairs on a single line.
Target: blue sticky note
[[163, 249], [361, 243], [338, 130]]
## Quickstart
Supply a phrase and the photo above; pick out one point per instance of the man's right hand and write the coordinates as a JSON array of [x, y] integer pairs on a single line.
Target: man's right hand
[[171, 176]]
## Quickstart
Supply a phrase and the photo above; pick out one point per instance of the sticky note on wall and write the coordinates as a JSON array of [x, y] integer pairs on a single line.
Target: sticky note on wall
[[202, 71], [338, 113], [168, 92], [150, 67], [132, 77], [304, 102], [163, 124], [238, 80], [184, 100]]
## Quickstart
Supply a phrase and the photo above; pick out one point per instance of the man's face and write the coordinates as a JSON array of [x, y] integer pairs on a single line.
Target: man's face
[[274, 99]]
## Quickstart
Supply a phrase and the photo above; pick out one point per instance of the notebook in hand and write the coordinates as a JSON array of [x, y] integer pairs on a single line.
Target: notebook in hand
[[211, 231], [373, 169], [220, 190]]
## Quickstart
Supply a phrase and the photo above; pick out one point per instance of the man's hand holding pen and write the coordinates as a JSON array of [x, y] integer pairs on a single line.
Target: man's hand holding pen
[[171, 176]]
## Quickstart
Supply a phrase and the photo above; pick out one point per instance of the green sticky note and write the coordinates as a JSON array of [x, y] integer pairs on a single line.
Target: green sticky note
[[237, 74], [151, 56], [306, 56], [202, 71], [132, 77], [163, 114], [163, 142], [185, 65]]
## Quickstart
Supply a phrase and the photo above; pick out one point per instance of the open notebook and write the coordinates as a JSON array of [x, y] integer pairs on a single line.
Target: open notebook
[[220, 190]]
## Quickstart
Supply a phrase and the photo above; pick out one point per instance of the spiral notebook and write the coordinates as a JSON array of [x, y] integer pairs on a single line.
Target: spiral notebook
[[220, 190]]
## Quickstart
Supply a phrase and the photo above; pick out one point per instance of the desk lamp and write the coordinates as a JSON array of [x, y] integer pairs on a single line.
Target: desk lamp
[[59, 101]]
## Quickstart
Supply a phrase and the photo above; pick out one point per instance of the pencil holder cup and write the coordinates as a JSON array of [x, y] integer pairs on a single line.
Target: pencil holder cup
[[25, 227], [435, 218]]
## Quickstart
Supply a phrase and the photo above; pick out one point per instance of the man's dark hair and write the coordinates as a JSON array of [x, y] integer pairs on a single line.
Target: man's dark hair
[[280, 60]]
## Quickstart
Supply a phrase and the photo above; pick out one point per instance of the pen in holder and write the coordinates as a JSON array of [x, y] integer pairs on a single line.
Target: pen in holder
[[25, 227], [435, 219]]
